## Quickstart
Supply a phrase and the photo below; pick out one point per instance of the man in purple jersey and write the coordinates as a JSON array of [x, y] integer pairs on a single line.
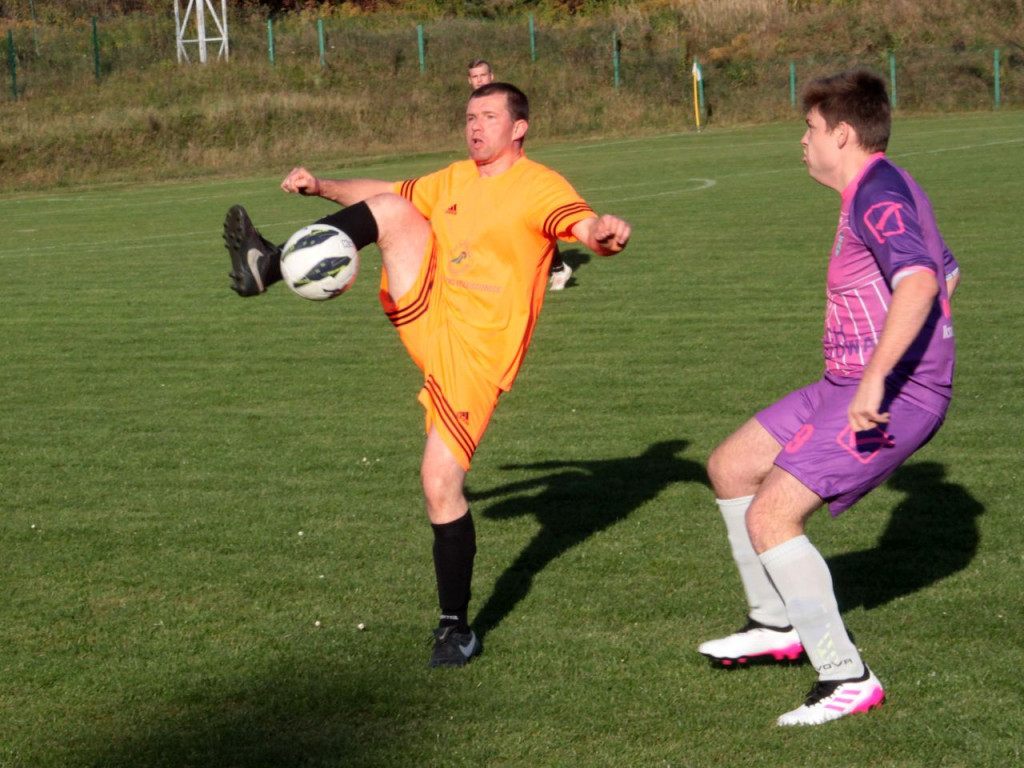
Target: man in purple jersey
[[888, 346]]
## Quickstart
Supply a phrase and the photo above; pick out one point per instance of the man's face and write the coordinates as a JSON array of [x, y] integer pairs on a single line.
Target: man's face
[[821, 148], [481, 75], [490, 129]]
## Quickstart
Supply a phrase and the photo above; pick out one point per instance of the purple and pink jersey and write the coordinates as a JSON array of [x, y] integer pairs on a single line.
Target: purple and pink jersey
[[886, 231]]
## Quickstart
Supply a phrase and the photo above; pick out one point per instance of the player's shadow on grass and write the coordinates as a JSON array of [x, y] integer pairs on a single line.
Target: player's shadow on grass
[[307, 707], [932, 534], [573, 500]]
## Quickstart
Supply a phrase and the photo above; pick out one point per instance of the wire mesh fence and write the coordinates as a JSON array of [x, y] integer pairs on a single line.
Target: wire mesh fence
[[43, 61]]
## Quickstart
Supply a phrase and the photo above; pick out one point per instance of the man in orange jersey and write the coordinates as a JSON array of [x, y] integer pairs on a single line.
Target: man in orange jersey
[[466, 252], [479, 73]]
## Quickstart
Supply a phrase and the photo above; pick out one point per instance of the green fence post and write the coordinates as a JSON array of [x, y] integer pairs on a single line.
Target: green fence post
[[13, 62], [615, 57], [270, 40], [792, 84], [892, 79], [995, 66], [95, 49], [320, 38], [533, 40], [419, 39]]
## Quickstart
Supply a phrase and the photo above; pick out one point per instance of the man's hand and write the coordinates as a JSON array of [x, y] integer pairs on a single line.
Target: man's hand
[[301, 182], [912, 300], [864, 408], [604, 235], [612, 232]]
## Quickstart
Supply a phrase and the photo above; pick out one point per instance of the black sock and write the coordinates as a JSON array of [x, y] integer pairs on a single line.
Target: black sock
[[274, 267], [357, 222], [454, 549], [557, 265]]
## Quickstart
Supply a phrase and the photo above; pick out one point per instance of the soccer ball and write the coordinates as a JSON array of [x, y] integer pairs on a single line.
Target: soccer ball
[[319, 262]]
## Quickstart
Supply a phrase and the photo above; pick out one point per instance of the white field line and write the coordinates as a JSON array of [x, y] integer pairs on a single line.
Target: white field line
[[22, 215]]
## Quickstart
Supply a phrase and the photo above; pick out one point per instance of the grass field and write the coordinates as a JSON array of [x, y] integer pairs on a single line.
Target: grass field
[[190, 482]]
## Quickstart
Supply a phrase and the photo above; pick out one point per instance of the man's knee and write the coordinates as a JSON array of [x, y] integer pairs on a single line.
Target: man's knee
[[738, 466], [436, 487], [443, 480], [395, 215], [404, 236], [719, 465], [444, 497], [780, 510], [735, 472]]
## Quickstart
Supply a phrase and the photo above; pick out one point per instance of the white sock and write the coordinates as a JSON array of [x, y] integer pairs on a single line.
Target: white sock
[[801, 575], [765, 604]]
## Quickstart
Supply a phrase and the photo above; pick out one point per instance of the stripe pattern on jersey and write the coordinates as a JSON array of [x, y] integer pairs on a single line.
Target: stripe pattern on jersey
[[406, 188], [449, 418], [850, 330], [553, 223], [421, 302]]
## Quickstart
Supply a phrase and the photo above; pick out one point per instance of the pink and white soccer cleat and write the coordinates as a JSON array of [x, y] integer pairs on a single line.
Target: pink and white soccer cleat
[[755, 643], [832, 699]]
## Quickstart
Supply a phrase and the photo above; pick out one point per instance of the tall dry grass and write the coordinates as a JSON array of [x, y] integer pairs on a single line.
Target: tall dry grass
[[148, 116]]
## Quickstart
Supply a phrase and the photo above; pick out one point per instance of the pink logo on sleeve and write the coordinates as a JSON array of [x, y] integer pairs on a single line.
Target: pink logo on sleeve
[[885, 220]]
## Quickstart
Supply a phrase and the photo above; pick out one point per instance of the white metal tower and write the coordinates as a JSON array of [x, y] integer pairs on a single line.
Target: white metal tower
[[200, 8]]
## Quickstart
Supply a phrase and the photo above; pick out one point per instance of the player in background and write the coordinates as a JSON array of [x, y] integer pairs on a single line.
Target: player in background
[[466, 252], [480, 73], [888, 348]]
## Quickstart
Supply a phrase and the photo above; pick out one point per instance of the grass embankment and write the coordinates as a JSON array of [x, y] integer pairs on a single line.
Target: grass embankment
[[146, 116]]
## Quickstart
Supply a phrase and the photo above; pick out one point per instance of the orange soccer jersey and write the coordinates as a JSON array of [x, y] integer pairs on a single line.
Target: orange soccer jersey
[[468, 320]]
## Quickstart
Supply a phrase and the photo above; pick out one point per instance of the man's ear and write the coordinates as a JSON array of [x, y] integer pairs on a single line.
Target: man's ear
[[844, 133], [519, 129]]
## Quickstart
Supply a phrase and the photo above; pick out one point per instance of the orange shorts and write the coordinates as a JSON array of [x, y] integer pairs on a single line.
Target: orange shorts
[[458, 396]]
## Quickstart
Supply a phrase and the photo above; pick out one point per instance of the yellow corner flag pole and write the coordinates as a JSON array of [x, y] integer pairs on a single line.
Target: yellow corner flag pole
[[696, 99]]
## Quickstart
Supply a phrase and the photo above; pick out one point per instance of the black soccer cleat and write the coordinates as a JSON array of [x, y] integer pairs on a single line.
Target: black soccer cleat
[[255, 261], [453, 648]]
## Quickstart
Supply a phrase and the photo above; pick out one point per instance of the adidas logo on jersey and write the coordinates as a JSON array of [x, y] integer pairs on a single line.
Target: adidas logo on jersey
[[453, 209]]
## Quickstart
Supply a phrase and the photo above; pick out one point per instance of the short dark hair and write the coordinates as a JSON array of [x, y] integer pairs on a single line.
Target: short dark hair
[[857, 97], [518, 104], [478, 63]]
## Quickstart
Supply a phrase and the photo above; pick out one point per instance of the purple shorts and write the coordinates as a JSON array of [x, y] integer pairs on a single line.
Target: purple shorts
[[821, 451]]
